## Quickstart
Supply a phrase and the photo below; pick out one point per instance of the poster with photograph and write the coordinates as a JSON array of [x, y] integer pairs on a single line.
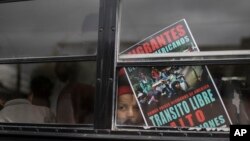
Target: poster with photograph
[[176, 96]]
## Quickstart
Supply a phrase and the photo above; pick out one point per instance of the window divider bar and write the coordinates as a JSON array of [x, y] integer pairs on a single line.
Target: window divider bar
[[228, 53], [47, 59], [105, 64], [140, 63]]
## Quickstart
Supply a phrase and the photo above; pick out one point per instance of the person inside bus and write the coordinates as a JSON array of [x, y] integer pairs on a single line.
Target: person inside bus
[[75, 100], [4, 94], [128, 112], [19, 109], [41, 87]]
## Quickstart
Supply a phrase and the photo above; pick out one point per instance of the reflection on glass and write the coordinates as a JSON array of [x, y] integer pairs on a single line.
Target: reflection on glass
[[213, 27], [184, 96], [48, 28], [60, 92]]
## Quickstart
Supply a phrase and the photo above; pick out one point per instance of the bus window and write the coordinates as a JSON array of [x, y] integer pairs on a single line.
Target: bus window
[[60, 92], [48, 28], [183, 96], [183, 92]]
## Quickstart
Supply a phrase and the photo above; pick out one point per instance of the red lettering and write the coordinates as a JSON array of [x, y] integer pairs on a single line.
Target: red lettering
[[174, 34], [190, 120], [153, 111], [201, 88], [173, 124], [147, 48], [154, 44], [161, 41], [166, 34], [181, 122], [200, 115], [164, 106], [139, 50], [180, 30], [132, 52], [191, 93]]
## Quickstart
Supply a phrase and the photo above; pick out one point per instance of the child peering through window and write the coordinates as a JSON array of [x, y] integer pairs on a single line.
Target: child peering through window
[[128, 112]]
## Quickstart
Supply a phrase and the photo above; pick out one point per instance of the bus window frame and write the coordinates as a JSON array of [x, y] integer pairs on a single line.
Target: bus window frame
[[106, 64]]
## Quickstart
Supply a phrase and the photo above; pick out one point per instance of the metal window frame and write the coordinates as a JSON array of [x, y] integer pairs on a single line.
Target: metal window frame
[[182, 58], [107, 62], [223, 57], [23, 130]]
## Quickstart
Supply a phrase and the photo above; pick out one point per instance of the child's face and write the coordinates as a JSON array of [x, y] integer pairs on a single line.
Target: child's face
[[128, 111]]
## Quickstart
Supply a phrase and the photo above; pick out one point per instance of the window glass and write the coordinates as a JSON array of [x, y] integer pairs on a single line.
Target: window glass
[[215, 25], [59, 92], [48, 28], [212, 96]]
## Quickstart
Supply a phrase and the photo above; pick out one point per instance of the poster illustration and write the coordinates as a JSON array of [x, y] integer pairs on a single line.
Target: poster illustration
[[176, 96]]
